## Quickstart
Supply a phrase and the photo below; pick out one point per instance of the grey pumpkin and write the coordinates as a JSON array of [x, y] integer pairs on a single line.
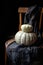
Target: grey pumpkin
[[25, 38], [26, 28]]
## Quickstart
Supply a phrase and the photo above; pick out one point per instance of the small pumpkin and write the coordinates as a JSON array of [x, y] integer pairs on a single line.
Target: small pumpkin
[[26, 28], [25, 38]]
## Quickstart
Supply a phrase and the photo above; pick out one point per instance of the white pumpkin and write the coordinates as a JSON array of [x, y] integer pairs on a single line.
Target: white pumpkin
[[26, 28], [25, 38]]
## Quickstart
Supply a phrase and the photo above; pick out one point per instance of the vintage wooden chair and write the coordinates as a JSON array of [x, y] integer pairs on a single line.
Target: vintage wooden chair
[[20, 11]]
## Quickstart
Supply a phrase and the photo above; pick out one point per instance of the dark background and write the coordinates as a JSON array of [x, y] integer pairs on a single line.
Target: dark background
[[9, 19]]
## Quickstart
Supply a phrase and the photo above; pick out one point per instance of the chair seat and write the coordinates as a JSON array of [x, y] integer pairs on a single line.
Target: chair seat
[[24, 55]]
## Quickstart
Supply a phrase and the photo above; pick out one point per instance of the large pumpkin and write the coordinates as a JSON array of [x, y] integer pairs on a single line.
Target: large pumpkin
[[26, 28], [25, 38]]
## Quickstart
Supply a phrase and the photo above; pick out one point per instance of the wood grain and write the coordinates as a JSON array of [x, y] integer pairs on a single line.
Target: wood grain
[[22, 9]]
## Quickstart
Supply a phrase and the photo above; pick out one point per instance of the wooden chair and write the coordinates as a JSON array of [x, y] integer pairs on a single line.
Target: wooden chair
[[20, 11], [24, 10]]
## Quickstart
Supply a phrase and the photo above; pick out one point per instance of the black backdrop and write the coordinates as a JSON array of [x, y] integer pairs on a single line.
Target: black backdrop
[[10, 20]]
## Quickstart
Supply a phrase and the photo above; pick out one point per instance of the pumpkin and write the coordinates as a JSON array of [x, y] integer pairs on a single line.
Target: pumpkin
[[25, 38], [26, 28]]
